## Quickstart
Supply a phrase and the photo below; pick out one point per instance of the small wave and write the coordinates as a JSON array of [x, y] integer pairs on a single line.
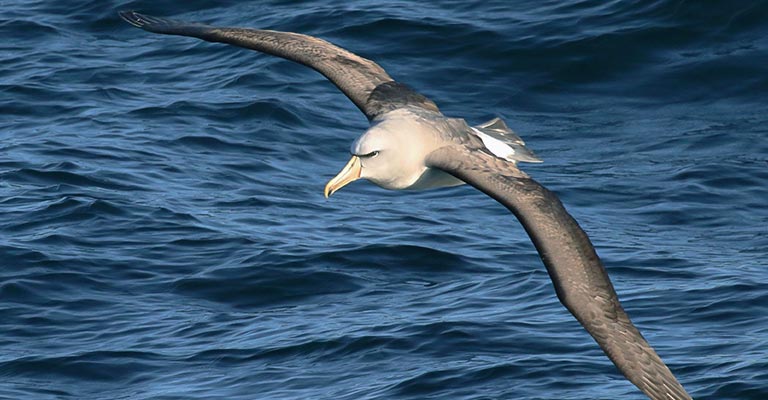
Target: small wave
[[94, 366], [21, 29], [258, 286], [64, 210], [57, 177]]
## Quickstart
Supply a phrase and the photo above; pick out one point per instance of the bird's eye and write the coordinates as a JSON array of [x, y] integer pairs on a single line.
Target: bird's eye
[[369, 155]]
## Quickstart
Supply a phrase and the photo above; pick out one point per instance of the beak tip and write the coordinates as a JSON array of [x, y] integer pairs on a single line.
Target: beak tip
[[349, 173]]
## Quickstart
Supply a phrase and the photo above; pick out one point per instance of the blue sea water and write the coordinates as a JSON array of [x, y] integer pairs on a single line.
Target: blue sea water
[[164, 233]]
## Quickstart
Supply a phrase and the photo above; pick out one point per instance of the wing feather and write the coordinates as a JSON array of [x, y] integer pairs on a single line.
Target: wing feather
[[372, 90], [578, 275]]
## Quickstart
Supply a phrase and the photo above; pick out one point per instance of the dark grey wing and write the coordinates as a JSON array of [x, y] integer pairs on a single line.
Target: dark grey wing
[[363, 81], [578, 275]]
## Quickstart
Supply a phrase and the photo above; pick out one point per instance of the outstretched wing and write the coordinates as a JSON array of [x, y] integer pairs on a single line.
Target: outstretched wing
[[578, 275], [372, 90]]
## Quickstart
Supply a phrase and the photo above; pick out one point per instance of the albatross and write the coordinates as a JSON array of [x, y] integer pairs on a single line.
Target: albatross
[[411, 145]]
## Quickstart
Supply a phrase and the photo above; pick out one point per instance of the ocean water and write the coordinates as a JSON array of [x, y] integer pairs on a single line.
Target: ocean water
[[164, 233]]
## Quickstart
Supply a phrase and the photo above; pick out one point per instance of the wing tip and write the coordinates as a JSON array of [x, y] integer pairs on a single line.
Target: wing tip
[[146, 22], [133, 18]]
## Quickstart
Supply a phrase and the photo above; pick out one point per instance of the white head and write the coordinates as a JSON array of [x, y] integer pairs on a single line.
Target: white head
[[387, 154]]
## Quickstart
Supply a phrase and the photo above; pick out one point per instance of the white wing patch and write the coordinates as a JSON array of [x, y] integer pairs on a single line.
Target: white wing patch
[[503, 142], [496, 146]]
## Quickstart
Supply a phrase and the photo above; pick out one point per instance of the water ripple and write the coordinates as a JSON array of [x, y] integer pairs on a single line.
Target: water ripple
[[165, 234]]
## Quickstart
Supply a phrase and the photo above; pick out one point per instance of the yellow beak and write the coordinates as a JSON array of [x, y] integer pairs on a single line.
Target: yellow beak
[[349, 173]]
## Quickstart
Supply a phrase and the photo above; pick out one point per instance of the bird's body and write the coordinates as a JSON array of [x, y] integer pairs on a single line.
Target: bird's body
[[425, 132], [411, 145]]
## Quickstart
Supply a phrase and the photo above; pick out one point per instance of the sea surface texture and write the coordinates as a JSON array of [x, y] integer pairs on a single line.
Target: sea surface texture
[[164, 235]]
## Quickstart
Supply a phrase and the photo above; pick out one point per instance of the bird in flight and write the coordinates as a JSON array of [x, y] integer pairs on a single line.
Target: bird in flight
[[412, 145]]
